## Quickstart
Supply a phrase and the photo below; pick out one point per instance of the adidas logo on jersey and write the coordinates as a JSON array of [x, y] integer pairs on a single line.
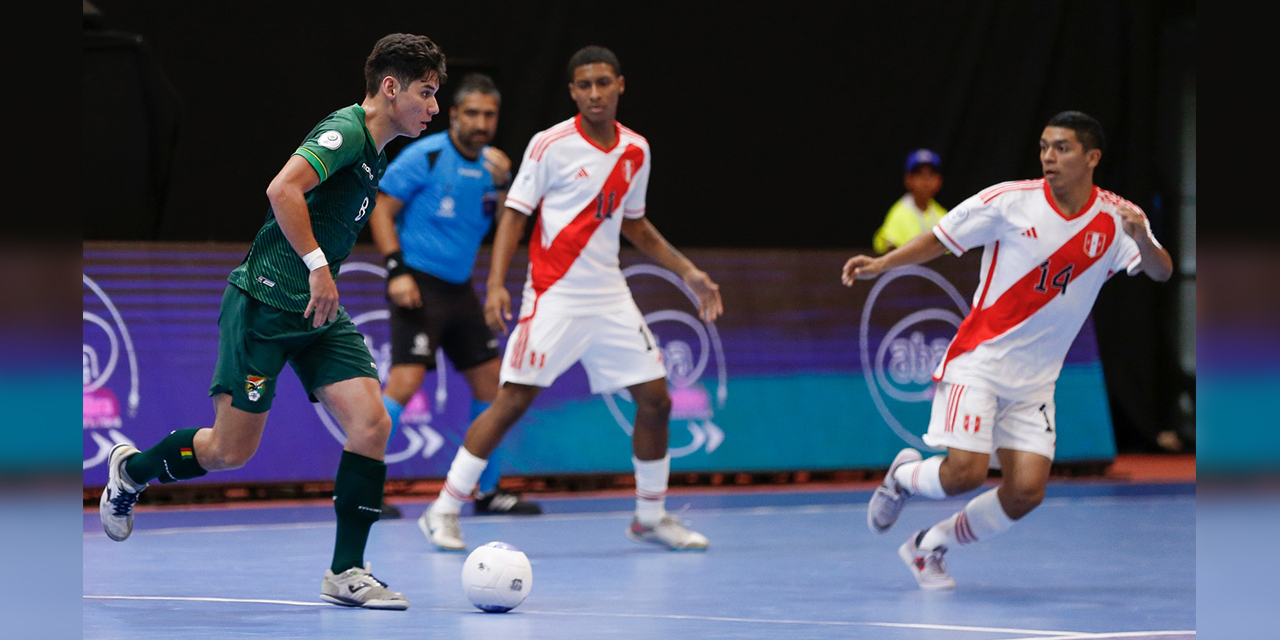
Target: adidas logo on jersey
[[1030, 233], [582, 173]]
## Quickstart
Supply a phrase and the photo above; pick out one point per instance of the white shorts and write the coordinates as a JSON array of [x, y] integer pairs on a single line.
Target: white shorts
[[973, 419], [615, 347]]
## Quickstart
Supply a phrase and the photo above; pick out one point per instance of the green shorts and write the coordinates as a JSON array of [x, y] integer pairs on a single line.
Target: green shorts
[[255, 340]]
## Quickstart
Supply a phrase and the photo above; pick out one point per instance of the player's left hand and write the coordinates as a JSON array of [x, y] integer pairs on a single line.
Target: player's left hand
[[1134, 222], [498, 164], [710, 306], [323, 306]]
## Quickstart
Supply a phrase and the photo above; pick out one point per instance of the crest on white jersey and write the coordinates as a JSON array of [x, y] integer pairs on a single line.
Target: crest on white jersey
[[1094, 243], [330, 140]]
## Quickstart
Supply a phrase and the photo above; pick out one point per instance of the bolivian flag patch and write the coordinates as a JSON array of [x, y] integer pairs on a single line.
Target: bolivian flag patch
[[253, 387], [187, 454]]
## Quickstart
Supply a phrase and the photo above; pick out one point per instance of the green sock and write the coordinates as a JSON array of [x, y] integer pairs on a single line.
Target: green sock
[[172, 459], [357, 499]]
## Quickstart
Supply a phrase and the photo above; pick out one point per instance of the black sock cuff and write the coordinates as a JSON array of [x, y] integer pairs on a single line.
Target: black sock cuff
[[362, 466]]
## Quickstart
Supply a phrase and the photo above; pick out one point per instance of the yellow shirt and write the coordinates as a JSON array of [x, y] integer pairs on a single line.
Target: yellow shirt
[[905, 221]]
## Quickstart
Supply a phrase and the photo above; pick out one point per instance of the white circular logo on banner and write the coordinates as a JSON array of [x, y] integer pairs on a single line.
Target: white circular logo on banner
[[107, 351], [899, 367], [692, 352]]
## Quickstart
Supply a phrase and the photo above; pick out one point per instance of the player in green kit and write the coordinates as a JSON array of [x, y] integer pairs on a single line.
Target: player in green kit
[[281, 306]]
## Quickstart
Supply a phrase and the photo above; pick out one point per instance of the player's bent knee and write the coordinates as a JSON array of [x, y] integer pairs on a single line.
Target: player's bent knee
[[371, 435], [226, 458], [959, 478], [659, 406], [1021, 500]]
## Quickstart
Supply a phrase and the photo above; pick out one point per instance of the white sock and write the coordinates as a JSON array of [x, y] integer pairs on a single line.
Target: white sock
[[982, 518], [464, 473], [921, 478], [651, 489]]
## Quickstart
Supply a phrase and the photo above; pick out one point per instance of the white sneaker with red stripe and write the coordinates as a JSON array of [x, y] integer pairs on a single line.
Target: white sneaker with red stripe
[[927, 566], [670, 532], [887, 501]]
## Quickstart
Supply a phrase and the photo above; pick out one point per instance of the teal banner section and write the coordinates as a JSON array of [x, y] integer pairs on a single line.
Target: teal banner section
[[776, 423], [1237, 430]]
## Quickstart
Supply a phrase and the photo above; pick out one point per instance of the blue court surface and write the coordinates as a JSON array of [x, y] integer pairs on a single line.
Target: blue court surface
[[1096, 560]]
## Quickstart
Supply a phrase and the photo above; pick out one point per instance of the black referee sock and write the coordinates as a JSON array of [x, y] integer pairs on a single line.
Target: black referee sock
[[172, 459], [357, 499]]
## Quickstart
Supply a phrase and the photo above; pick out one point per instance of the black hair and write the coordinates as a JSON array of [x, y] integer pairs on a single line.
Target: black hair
[[1088, 130], [475, 83], [405, 57], [591, 54]]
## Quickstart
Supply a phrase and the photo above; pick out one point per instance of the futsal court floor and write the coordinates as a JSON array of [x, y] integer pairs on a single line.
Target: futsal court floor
[[1099, 559]]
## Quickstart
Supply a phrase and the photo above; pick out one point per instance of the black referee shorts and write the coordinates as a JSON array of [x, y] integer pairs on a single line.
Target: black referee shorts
[[450, 318]]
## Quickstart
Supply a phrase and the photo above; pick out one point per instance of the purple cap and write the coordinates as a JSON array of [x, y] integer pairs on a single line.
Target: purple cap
[[923, 156]]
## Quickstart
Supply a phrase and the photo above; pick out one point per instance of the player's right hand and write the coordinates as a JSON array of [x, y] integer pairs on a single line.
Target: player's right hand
[[402, 291], [323, 306], [497, 310], [860, 268]]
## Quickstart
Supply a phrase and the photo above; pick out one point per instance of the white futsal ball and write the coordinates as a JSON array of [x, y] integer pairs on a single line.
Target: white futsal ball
[[497, 577]]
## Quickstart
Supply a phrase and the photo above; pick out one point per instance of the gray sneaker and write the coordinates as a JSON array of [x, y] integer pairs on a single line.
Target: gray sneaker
[[357, 587], [119, 496], [887, 501], [442, 529], [670, 533], [927, 566]]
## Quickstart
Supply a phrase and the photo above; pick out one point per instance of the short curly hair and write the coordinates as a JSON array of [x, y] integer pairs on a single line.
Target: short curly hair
[[591, 54], [405, 57]]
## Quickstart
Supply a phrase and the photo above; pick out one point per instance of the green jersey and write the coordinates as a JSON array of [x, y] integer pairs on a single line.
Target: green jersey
[[342, 152]]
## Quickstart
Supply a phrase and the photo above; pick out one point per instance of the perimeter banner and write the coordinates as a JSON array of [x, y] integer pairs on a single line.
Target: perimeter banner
[[801, 373]]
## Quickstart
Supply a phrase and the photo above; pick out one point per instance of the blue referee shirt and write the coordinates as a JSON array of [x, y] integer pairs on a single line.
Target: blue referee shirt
[[449, 203]]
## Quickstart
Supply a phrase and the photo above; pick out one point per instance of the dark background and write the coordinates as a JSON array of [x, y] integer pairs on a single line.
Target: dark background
[[773, 126]]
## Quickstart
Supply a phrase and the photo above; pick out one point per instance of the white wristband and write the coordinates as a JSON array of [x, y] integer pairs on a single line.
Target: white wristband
[[315, 259]]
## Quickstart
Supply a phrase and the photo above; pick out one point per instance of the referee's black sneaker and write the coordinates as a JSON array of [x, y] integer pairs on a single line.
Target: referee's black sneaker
[[502, 502]]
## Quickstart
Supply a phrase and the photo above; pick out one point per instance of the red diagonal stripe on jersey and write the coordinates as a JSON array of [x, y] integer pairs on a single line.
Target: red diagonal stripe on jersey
[[1022, 301], [549, 264]]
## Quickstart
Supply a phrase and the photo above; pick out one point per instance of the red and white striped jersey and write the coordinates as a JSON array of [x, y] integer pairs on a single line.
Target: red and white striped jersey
[[1041, 273], [582, 192]]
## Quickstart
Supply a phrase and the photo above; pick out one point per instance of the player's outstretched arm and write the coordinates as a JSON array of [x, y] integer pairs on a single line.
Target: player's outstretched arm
[[922, 248], [497, 302], [1156, 262], [287, 194], [641, 233]]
